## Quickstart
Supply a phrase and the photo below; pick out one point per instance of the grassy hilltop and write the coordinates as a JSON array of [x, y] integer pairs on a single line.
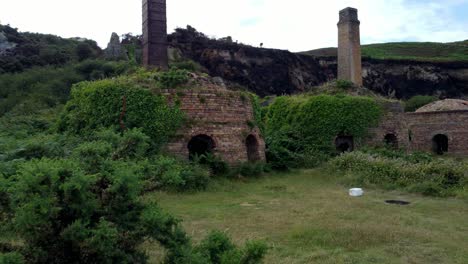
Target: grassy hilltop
[[417, 51]]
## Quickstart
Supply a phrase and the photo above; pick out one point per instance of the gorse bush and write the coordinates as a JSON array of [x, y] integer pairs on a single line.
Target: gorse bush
[[97, 217], [436, 177], [171, 174], [116, 103], [297, 128]]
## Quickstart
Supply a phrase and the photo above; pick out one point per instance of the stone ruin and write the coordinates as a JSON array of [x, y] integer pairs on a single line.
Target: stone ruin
[[441, 127], [221, 122]]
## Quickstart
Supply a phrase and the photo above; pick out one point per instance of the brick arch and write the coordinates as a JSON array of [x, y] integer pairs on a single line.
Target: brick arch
[[201, 144], [440, 144], [391, 140], [253, 147]]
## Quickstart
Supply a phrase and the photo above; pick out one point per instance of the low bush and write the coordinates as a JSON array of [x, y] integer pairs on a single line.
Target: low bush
[[418, 101], [171, 174], [300, 130], [118, 103], [437, 177], [172, 78]]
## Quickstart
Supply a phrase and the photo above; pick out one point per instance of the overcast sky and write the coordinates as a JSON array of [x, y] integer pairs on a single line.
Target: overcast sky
[[296, 25]]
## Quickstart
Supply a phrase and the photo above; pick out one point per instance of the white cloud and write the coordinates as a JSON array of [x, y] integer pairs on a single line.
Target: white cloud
[[294, 24]]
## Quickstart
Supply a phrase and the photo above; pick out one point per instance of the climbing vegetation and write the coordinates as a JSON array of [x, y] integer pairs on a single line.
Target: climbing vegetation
[[300, 130], [119, 104]]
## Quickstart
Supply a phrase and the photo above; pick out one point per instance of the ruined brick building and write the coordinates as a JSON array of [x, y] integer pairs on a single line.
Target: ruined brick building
[[441, 127], [220, 121]]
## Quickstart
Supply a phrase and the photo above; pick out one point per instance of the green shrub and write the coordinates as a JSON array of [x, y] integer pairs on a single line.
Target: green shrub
[[187, 65], [11, 258], [418, 101], [113, 103], [296, 126], [171, 174], [134, 144], [344, 84], [438, 177], [216, 164], [83, 218], [93, 155], [172, 78], [251, 169]]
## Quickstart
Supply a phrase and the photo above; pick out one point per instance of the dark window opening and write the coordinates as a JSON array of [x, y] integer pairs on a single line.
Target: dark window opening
[[344, 144], [252, 148], [200, 145], [440, 144], [391, 141]]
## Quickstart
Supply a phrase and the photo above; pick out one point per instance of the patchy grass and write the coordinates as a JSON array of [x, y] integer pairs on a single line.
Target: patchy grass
[[307, 217], [417, 51]]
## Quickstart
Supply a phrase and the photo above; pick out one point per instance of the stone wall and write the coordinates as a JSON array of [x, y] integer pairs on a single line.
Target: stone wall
[[224, 116]]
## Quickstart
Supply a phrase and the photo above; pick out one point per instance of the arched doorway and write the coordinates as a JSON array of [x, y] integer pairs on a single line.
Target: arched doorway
[[251, 144], [200, 145], [344, 144], [391, 141], [440, 144]]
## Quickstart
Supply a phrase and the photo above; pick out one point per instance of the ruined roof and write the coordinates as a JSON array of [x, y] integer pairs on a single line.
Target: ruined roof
[[444, 105]]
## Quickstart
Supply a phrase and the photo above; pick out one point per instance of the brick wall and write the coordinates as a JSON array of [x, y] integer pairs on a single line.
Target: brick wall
[[220, 114], [416, 131]]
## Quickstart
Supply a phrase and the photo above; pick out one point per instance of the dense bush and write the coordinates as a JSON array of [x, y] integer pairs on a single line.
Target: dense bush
[[299, 131], [45, 87], [98, 218], [172, 78], [418, 101], [41, 50], [171, 174], [436, 177], [114, 103]]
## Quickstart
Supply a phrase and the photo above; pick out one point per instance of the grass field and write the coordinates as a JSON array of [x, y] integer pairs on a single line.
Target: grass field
[[417, 51], [308, 217]]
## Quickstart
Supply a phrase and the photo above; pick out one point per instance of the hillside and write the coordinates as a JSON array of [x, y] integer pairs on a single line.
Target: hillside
[[414, 51], [24, 50]]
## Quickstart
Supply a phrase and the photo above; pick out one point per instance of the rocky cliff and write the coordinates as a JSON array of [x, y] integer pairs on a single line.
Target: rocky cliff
[[263, 71], [269, 71]]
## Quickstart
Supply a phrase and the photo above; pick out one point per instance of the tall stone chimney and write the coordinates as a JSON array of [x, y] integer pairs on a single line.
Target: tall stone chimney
[[155, 34], [349, 47]]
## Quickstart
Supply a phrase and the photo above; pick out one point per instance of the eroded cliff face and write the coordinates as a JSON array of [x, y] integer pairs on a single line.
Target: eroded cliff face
[[278, 72], [263, 71]]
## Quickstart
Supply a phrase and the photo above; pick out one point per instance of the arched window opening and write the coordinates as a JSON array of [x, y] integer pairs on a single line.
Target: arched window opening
[[440, 144], [200, 145], [391, 141], [252, 148], [344, 144]]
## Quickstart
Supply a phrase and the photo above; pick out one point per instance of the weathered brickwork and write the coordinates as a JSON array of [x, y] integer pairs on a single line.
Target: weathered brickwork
[[417, 131], [349, 47], [224, 116], [155, 34]]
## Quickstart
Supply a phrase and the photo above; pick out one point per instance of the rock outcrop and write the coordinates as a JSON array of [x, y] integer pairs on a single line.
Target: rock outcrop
[[277, 72], [114, 49], [263, 71], [5, 45]]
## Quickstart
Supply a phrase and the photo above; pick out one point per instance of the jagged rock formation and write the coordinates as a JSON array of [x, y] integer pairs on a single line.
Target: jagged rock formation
[[263, 71], [5, 45], [115, 49], [277, 72]]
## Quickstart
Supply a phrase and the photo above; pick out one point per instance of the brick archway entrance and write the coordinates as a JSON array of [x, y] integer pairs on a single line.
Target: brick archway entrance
[[200, 145], [251, 144], [440, 144]]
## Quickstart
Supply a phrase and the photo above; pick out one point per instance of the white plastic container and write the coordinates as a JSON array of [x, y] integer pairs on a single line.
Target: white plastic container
[[356, 192]]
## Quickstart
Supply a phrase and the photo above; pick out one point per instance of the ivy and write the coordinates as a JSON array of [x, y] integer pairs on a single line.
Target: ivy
[[296, 127], [119, 103]]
